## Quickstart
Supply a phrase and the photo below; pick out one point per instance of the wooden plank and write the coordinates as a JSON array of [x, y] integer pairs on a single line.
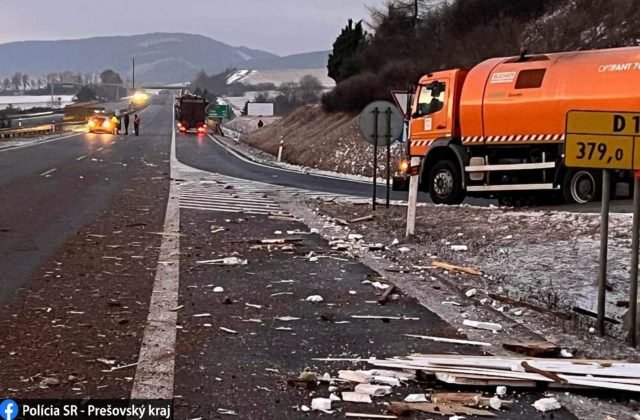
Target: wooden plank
[[612, 369], [370, 416], [609, 383], [536, 348], [361, 219], [448, 409], [450, 267], [515, 302], [385, 296], [448, 340], [472, 380]]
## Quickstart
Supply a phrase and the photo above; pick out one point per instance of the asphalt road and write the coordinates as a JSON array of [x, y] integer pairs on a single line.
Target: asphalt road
[[51, 190], [207, 154]]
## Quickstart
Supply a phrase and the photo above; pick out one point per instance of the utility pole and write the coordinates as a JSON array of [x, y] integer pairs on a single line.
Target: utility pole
[[133, 81]]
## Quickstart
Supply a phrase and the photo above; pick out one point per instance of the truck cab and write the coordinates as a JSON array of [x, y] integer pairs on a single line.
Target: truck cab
[[434, 129]]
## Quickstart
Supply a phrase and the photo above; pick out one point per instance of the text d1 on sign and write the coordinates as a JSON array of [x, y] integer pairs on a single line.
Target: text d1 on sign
[[603, 140]]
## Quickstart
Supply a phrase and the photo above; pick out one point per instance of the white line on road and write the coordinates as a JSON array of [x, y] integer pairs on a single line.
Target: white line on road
[[81, 157], [49, 172], [154, 377]]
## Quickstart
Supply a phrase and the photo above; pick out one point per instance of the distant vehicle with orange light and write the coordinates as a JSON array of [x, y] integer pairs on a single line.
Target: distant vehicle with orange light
[[497, 130], [191, 114]]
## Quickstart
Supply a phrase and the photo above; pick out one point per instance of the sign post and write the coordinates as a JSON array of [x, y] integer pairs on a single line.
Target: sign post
[[372, 118], [608, 141], [413, 196], [604, 249], [388, 138], [633, 298], [376, 114]]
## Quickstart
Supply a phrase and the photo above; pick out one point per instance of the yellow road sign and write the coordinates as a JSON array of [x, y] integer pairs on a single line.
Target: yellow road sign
[[604, 140]]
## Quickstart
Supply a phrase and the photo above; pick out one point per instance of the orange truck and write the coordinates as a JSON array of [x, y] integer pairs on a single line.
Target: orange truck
[[497, 130]]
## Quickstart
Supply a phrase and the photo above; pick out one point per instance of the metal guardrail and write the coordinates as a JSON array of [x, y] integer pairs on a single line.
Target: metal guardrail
[[8, 133]]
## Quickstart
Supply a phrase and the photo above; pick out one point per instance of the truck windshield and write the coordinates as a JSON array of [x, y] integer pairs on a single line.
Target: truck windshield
[[431, 98]]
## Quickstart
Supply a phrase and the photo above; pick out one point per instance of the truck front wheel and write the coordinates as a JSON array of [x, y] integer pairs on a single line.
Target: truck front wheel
[[580, 186], [445, 183]]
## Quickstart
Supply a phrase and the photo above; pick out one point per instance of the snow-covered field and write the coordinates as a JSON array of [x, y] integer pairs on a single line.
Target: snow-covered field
[[277, 77], [30, 101]]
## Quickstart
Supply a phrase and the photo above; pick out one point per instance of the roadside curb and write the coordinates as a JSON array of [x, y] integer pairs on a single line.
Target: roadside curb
[[288, 166]]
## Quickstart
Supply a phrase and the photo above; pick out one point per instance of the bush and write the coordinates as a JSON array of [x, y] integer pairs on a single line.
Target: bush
[[355, 93]]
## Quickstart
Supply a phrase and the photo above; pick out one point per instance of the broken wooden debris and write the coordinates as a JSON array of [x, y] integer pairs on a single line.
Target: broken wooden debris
[[491, 326], [321, 404], [448, 340], [450, 267], [369, 416], [361, 219], [547, 404], [404, 409], [516, 302], [384, 317], [356, 397], [592, 314], [306, 380], [278, 241], [373, 390], [228, 330], [385, 295], [512, 372], [413, 398], [534, 348], [224, 261]]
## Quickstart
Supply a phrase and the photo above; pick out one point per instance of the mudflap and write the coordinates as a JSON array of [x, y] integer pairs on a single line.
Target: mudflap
[[400, 183]]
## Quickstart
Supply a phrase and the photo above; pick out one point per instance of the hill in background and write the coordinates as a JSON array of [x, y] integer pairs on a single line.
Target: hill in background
[[160, 57]]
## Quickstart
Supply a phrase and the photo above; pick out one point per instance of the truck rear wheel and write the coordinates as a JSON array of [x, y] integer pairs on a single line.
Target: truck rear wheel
[[580, 186], [445, 183]]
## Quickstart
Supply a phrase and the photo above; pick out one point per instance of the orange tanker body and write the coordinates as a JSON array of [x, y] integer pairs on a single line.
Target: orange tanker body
[[498, 129]]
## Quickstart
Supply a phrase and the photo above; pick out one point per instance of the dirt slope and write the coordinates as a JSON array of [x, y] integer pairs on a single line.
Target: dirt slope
[[319, 140]]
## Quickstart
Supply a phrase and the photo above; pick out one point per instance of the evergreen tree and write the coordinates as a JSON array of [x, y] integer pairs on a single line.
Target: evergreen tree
[[343, 61]]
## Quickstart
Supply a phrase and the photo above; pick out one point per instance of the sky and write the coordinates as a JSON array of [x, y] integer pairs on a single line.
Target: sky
[[278, 26]]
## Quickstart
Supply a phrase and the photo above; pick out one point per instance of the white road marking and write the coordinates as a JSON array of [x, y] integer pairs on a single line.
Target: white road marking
[[81, 157], [49, 172], [155, 373]]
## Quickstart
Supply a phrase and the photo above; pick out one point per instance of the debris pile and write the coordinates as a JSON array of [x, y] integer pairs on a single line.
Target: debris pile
[[519, 372]]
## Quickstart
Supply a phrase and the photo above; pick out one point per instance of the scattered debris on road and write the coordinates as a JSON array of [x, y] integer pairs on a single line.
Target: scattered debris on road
[[547, 404], [225, 261]]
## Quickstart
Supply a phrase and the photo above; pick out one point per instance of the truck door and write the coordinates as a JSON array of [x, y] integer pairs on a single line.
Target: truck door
[[430, 119]]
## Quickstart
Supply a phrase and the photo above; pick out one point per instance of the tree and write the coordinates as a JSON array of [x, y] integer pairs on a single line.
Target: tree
[[16, 80], [112, 82], [25, 81], [6, 83], [86, 94], [310, 89], [343, 61]]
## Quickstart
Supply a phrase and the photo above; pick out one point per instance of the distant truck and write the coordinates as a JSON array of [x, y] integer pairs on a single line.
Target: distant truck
[[498, 129], [191, 113]]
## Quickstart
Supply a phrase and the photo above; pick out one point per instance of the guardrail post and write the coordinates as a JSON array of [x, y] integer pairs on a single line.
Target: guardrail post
[[280, 150]]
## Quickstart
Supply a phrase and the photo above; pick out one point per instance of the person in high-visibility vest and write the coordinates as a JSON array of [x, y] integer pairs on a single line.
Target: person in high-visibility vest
[[115, 122], [136, 124]]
